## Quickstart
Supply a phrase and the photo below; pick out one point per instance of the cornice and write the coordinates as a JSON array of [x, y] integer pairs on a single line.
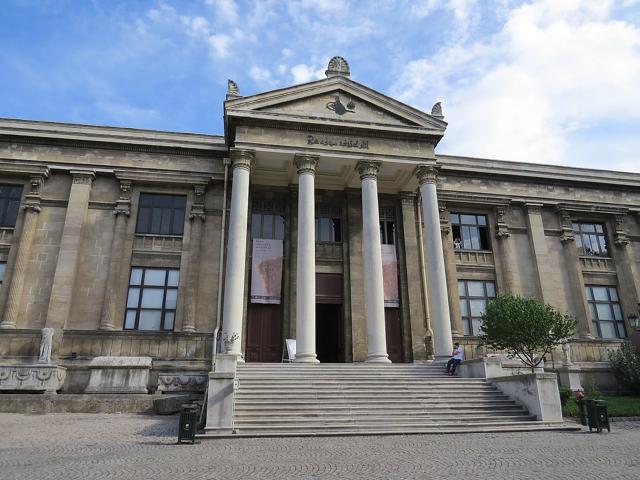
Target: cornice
[[535, 173], [151, 176], [113, 138], [24, 169]]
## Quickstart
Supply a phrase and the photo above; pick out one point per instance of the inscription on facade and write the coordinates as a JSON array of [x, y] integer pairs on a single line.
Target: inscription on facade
[[338, 142]]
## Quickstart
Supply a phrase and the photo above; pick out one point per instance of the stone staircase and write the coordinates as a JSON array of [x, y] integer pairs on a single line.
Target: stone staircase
[[370, 399]]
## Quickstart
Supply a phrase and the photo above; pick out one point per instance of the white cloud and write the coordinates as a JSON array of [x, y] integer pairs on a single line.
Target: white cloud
[[196, 26], [225, 10], [261, 75], [221, 45], [306, 73], [556, 71]]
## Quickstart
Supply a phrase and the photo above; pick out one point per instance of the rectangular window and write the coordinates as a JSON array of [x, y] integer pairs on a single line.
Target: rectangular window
[[591, 239], [606, 314], [3, 268], [474, 295], [388, 232], [470, 231], [267, 220], [328, 230], [161, 214], [152, 298], [9, 204]]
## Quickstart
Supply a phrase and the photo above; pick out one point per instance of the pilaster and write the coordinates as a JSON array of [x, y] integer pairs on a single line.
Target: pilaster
[[196, 218], [31, 210], [450, 270], [67, 264], [541, 262], [121, 212]]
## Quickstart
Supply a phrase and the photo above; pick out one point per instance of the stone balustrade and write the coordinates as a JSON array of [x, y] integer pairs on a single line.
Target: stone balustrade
[[590, 263], [480, 258], [158, 243]]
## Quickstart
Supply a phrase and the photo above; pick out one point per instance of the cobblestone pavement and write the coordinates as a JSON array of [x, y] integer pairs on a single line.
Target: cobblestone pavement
[[126, 446]]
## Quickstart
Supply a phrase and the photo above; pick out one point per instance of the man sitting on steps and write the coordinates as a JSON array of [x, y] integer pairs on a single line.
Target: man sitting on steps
[[455, 360]]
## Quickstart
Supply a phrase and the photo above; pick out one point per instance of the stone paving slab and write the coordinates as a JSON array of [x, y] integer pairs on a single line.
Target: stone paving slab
[[129, 446]]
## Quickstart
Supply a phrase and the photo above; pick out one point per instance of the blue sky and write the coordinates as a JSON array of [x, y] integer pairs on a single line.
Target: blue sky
[[544, 81]]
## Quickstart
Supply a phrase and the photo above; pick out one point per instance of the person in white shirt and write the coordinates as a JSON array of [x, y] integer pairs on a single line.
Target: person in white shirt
[[455, 360]]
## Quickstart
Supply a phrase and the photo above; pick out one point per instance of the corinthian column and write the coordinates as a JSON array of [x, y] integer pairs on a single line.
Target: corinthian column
[[114, 282], [306, 261], [31, 209], [372, 256], [241, 161], [436, 277], [197, 218]]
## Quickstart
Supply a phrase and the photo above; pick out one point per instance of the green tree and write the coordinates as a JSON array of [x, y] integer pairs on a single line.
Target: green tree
[[525, 328], [626, 366]]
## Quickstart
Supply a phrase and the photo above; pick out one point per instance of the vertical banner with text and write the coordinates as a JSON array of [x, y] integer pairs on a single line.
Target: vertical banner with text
[[266, 271], [390, 276]]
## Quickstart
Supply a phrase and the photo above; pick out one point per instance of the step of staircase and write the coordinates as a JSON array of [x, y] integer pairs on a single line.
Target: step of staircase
[[370, 399]]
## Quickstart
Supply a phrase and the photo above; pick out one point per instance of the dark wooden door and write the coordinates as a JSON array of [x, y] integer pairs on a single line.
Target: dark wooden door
[[394, 334], [264, 333]]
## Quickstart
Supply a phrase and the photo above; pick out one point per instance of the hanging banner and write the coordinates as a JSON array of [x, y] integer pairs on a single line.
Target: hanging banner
[[390, 276], [266, 271]]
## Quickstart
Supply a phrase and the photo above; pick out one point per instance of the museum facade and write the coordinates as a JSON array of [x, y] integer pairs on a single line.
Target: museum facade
[[323, 214]]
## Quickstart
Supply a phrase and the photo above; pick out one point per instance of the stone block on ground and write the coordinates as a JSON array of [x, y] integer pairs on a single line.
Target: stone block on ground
[[182, 382], [170, 404], [32, 378], [119, 375]]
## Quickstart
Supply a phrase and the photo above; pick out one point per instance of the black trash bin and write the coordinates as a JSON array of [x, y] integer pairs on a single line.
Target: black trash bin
[[598, 415], [188, 423]]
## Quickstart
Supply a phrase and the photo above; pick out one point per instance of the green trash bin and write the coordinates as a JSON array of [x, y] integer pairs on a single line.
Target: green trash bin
[[598, 416], [188, 423]]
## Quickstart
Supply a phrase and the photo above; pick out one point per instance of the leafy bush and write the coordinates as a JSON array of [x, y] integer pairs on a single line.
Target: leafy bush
[[565, 395], [525, 328], [625, 363]]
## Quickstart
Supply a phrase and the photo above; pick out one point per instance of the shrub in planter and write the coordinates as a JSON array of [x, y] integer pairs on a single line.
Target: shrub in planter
[[625, 363]]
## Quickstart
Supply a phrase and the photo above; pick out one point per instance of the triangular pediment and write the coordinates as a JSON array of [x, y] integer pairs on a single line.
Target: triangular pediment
[[336, 100]]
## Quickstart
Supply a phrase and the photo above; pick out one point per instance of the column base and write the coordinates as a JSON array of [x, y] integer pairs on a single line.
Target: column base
[[441, 358], [306, 358], [7, 325], [378, 358], [587, 336], [188, 329], [107, 328]]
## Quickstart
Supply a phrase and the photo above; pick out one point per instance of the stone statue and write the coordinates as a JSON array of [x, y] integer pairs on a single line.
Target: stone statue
[[566, 350], [436, 110], [232, 89], [45, 346]]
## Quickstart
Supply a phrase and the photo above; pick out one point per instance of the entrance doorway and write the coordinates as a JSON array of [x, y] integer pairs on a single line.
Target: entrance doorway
[[264, 333], [329, 318], [329, 344], [393, 325]]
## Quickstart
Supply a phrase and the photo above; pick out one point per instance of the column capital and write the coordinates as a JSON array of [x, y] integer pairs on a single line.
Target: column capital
[[620, 238], [32, 199], [427, 173], [241, 158], [566, 226], [197, 207], [445, 223], [502, 227], [123, 205], [84, 177], [533, 208], [306, 163], [408, 198], [368, 169]]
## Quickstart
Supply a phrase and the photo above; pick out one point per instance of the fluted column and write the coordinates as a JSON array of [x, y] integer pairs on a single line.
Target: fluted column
[[306, 261], [241, 161], [372, 257], [122, 211], [576, 279], [436, 277], [31, 209], [68, 254], [197, 218]]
